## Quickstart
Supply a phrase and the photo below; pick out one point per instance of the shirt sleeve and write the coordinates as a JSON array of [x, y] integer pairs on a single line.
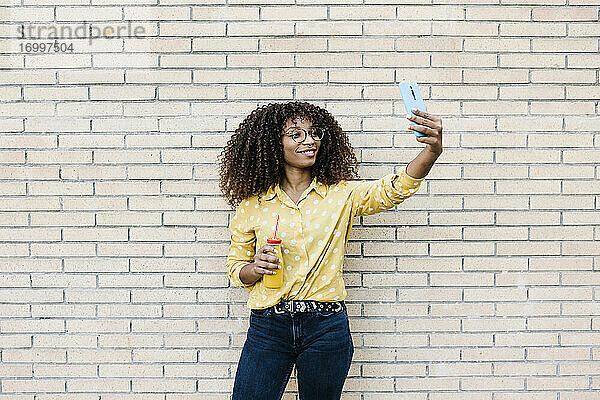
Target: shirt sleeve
[[242, 247], [371, 197]]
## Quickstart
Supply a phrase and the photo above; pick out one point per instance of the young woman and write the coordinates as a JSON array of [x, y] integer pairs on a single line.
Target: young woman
[[292, 161]]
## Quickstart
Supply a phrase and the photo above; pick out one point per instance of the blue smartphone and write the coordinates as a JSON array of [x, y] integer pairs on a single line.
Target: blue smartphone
[[412, 99]]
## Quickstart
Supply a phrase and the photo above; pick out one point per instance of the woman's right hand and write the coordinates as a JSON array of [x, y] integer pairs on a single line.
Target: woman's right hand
[[265, 263]]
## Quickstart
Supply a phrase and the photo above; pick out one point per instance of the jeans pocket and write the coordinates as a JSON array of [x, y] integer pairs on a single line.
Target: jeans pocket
[[260, 312], [327, 313]]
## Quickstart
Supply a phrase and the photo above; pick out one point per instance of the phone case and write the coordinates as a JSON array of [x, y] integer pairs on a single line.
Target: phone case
[[411, 95]]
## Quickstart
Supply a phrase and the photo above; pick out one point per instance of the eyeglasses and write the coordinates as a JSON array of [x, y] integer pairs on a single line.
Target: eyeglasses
[[299, 135]]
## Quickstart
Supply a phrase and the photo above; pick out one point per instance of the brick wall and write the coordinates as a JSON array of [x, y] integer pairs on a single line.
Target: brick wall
[[485, 285]]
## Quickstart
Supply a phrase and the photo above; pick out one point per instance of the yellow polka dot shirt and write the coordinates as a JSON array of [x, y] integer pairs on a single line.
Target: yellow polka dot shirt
[[314, 233]]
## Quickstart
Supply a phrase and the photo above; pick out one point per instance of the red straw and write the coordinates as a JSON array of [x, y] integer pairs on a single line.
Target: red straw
[[276, 223]]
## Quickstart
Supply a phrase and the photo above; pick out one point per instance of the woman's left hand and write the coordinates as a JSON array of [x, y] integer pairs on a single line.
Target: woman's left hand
[[430, 125]]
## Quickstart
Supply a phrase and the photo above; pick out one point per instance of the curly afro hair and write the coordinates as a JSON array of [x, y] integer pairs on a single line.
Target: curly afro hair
[[252, 161]]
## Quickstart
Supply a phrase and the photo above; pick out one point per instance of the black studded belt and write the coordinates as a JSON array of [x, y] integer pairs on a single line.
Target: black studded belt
[[296, 306]]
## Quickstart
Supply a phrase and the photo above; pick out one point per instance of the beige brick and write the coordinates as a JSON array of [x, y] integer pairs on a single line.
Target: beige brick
[[493, 383], [155, 108], [580, 218], [500, 233], [468, 60], [529, 279], [527, 218], [26, 109], [563, 76], [464, 28], [120, 125], [490, 202], [584, 28], [502, 140], [362, 12], [53, 124], [559, 140], [581, 156], [224, 44], [12, 62], [503, 13], [470, 92], [11, 93], [563, 45], [54, 93], [261, 60], [581, 123], [564, 14], [470, 339], [396, 28], [225, 13], [264, 92], [129, 92], [427, 324], [529, 124], [232, 76], [190, 125], [540, 187], [562, 108], [455, 249], [11, 125], [432, 44], [494, 107], [91, 76], [27, 77], [496, 76], [532, 60], [580, 186], [364, 75], [88, 13], [493, 324], [580, 248], [526, 248], [436, 75], [89, 108], [125, 60], [500, 44], [361, 44], [286, 75], [158, 76], [561, 172], [158, 45], [58, 61], [156, 13], [328, 28], [583, 61], [536, 2], [317, 92], [466, 187], [191, 92], [293, 44], [193, 29], [28, 14], [531, 92], [262, 28], [293, 13], [532, 29]]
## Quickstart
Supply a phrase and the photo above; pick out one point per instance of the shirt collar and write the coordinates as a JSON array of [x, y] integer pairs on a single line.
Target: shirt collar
[[319, 187]]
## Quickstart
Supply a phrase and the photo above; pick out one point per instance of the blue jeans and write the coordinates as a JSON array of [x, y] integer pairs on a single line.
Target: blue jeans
[[319, 343]]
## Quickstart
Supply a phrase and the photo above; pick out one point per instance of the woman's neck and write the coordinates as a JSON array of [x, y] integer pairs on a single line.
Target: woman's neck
[[296, 179]]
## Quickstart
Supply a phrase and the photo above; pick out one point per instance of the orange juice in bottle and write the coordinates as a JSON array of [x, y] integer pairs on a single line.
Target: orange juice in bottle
[[275, 281]]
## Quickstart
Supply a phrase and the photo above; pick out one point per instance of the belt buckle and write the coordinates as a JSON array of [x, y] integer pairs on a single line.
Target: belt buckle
[[339, 306], [277, 310]]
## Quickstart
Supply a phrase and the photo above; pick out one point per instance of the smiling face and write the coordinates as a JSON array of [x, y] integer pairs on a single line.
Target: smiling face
[[299, 155]]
